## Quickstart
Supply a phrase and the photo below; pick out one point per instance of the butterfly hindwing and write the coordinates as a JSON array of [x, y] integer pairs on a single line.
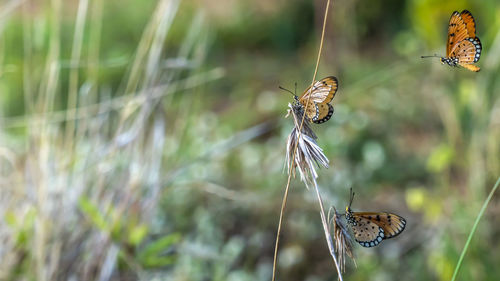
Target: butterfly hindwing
[[467, 51], [325, 112], [366, 232], [471, 67], [311, 110]]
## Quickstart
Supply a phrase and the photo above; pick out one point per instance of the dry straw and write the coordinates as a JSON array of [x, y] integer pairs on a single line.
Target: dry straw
[[343, 239], [302, 150], [303, 153]]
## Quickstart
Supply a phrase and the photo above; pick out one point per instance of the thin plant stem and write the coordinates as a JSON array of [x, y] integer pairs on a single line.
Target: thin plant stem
[[285, 196], [73, 72], [326, 228], [280, 223], [473, 230]]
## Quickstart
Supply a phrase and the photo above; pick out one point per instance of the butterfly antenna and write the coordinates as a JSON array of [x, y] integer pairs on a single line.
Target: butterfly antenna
[[295, 88], [286, 90], [434, 56], [352, 197]]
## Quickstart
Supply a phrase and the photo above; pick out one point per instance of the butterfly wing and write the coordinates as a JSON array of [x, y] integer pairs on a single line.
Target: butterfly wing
[[370, 228], [323, 91], [325, 112], [471, 67], [366, 232], [469, 22], [392, 224], [311, 111], [467, 52], [457, 31]]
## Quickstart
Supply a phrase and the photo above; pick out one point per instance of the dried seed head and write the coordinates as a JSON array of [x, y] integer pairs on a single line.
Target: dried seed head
[[343, 239], [308, 152]]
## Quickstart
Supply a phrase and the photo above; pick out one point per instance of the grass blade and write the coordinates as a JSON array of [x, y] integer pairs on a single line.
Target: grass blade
[[473, 230]]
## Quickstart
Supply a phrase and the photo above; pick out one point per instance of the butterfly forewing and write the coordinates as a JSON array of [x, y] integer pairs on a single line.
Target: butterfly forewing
[[457, 31], [468, 19], [392, 224], [322, 91]]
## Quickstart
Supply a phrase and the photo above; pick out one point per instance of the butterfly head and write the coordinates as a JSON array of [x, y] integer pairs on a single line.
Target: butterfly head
[[348, 214], [450, 61], [348, 211]]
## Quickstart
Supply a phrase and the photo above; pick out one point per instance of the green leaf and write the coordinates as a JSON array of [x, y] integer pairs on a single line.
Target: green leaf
[[137, 234], [153, 255], [440, 158], [10, 219], [92, 213]]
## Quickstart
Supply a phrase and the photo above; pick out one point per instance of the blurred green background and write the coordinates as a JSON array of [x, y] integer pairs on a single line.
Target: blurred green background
[[146, 139]]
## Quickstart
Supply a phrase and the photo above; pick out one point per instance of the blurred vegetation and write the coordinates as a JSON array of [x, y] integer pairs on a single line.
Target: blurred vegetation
[[146, 139]]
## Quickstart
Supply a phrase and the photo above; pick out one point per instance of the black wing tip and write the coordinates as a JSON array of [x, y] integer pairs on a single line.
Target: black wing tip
[[466, 12], [403, 223], [332, 77]]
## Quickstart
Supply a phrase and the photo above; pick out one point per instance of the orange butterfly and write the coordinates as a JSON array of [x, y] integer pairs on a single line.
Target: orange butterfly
[[463, 47], [318, 109], [370, 228]]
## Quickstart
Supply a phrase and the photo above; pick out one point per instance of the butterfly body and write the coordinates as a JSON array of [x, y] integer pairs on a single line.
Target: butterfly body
[[463, 48], [370, 228], [315, 101], [450, 61]]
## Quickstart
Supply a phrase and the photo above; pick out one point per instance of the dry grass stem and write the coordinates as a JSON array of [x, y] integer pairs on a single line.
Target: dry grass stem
[[326, 228], [343, 239], [302, 151]]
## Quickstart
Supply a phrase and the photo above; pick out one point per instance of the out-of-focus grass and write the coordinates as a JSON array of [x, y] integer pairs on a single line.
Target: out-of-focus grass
[[123, 156], [83, 179]]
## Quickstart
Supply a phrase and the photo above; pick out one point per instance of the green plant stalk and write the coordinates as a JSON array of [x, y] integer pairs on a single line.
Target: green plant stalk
[[473, 230]]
